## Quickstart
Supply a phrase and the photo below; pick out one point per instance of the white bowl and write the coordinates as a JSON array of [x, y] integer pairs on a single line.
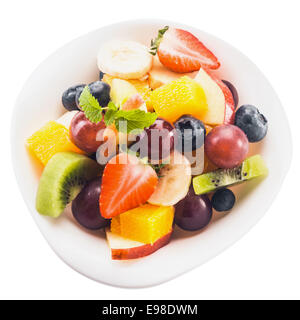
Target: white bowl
[[87, 252]]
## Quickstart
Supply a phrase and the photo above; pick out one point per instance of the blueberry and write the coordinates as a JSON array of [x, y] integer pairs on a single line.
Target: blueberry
[[101, 75], [191, 133], [69, 97], [100, 90], [77, 99], [223, 200], [253, 123], [233, 91]]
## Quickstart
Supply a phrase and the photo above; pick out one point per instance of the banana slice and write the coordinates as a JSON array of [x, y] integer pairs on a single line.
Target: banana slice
[[174, 182], [124, 59]]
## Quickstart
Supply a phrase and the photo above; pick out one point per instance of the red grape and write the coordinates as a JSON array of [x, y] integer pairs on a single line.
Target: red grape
[[158, 141], [84, 133], [226, 146], [193, 212], [85, 207]]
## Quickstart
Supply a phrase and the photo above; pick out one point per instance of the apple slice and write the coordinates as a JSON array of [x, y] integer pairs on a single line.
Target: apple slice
[[215, 99], [229, 100], [121, 90], [125, 249], [219, 99], [160, 75]]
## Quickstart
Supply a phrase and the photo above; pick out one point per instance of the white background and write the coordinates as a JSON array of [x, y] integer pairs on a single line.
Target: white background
[[265, 264]]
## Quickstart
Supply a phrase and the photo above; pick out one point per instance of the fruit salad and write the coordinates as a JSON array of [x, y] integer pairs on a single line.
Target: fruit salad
[[154, 144]]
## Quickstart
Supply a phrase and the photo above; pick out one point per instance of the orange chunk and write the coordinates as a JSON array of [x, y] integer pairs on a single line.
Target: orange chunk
[[146, 224], [115, 226], [179, 97], [49, 140]]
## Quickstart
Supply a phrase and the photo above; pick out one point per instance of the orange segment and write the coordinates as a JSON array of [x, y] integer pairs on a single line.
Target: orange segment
[[146, 224], [115, 226], [179, 97], [49, 140], [141, 86]]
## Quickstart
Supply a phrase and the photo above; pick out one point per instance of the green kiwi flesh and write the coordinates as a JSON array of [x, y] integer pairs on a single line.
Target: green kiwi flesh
[[251, 168], [62, 179]]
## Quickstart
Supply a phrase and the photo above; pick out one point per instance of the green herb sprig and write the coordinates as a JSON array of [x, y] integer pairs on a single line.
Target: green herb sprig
[[135, 119]]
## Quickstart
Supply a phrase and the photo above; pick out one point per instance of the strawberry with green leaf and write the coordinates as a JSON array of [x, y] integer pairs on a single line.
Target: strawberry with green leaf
[[180, 51]]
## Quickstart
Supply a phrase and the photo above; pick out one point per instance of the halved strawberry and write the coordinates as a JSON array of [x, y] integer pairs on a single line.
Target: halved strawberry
[[181, 51], [126, 184]]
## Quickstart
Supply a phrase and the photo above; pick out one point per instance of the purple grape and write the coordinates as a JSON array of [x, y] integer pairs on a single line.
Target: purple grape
[[85, 207], [157, 141], [234, 92], [193, 212]]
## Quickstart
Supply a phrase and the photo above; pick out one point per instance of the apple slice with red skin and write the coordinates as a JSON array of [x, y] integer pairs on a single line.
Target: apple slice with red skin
[[219, 99], [229, 101], [126, 249]]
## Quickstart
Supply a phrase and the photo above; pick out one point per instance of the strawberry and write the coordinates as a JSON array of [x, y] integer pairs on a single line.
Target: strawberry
[[126, 184], [181, 51]]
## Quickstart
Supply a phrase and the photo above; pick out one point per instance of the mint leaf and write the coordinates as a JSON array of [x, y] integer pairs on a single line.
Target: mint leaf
[[86, 99], [128, 120], [112, 106], [94, 115], [136, 120], [126, 126], [90, 105], [109, 116]]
